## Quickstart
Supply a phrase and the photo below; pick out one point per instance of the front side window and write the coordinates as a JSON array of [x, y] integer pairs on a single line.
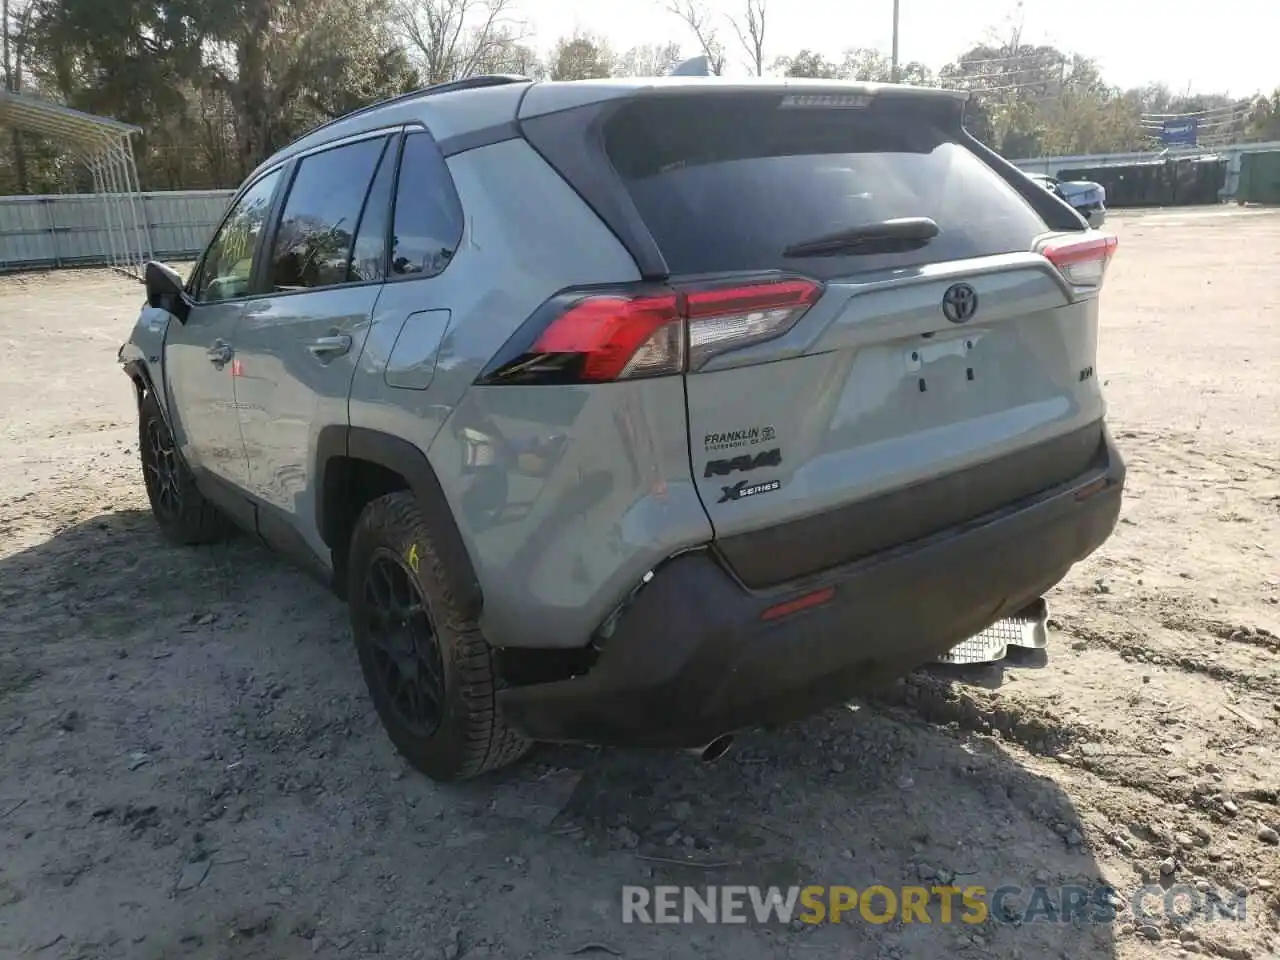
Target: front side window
[[322, 215], [229, 259], [428, 216]]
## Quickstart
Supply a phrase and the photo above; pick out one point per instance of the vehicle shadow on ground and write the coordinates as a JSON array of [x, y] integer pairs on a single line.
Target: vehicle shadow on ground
[[201, 774]]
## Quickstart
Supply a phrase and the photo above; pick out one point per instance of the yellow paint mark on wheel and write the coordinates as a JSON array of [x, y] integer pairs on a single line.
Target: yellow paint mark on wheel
[[412, 558]]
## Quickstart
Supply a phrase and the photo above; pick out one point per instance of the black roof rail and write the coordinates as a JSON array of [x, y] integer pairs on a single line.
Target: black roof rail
[[466, 83]]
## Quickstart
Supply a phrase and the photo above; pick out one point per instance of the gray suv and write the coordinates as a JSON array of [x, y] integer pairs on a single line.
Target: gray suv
[[638, 411]]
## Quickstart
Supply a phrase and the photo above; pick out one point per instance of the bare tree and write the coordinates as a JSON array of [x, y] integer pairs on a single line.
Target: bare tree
[[750, 31], [451, 39], [649, 60], [701, 23]]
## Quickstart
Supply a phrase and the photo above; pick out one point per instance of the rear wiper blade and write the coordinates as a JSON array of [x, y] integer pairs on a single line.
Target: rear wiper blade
[[886, 236]]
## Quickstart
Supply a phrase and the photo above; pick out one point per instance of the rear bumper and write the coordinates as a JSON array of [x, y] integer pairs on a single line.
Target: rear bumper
[[691, 658]]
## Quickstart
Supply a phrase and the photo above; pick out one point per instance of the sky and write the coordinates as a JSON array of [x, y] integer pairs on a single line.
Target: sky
[[1228, 46]]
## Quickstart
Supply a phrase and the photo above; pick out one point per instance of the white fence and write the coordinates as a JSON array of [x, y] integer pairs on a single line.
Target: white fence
[[73, 229]]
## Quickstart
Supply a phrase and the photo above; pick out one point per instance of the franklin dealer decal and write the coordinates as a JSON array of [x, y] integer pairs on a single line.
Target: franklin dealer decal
[[733, 439]]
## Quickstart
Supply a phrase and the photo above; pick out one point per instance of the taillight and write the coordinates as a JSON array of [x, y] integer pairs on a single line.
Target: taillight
[[596, 336], [613, 338], [1082, 260], [735, 317]]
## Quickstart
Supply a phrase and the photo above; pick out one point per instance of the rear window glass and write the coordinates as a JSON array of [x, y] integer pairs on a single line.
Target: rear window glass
[[726, 183]]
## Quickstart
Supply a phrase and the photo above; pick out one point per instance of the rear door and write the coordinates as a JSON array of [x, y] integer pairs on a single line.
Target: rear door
[[869, 421]]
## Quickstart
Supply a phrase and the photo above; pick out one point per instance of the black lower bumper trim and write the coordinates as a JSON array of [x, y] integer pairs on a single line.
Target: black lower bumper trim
[[691, 658], [798, 548]]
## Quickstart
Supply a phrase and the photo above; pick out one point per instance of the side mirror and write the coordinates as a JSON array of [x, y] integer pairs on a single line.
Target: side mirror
[[164, 289]]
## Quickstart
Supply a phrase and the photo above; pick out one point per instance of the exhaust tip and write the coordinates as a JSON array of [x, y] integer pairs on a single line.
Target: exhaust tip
[[714, 750]]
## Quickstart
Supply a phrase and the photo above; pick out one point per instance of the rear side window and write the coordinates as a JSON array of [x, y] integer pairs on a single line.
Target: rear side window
[[321, 215], [428, 215], [727, 183], [369, 256]]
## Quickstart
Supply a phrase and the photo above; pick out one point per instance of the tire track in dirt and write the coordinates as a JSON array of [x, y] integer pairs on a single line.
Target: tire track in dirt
[[1166, 828], [951, 703], [1135, 645]]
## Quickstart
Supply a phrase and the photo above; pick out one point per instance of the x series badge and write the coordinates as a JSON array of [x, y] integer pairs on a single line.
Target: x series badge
[[743, 489]]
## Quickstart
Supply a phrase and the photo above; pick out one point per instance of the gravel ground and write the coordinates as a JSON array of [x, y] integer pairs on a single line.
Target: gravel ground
[[189, 765]]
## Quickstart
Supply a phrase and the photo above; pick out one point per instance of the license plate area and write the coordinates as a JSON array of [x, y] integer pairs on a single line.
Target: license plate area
[[919, 357]]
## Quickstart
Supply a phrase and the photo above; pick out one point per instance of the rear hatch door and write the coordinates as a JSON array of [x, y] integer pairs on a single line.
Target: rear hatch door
[[926, 382]]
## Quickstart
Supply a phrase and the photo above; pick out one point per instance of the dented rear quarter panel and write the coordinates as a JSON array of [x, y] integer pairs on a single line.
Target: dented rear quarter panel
[[564, 496]]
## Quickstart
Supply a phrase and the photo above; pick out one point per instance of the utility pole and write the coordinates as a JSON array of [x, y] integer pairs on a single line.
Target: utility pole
[[893, 66]]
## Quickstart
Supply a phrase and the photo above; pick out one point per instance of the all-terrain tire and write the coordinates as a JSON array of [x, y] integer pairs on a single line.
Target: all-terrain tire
[[471, 737], [184, 515]]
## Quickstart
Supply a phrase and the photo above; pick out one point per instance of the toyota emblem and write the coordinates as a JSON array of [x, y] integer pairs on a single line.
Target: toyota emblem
[[960, 302]]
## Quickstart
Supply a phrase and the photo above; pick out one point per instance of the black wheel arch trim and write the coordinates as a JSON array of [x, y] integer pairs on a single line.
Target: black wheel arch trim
[[407, 460], [137, 370]]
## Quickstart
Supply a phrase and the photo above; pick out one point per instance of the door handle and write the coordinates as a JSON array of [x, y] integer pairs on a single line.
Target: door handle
[[325, 349], [219, 353]]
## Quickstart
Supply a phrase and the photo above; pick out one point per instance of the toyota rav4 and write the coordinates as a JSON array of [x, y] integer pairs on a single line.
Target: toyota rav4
[[638, 412]]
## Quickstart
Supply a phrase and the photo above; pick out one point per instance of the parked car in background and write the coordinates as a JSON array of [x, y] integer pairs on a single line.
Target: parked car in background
[[1088, 198]]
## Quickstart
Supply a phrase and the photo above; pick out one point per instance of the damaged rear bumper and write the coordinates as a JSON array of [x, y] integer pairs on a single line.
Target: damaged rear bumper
[[697, 655]]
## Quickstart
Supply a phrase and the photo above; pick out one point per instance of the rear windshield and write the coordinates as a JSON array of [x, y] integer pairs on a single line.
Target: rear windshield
[[725, 183]]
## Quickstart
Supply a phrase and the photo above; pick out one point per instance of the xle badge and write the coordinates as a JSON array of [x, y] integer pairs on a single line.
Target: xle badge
[[743, 489]]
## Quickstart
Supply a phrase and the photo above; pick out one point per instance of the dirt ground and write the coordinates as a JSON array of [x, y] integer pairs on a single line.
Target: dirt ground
[[189, 765]]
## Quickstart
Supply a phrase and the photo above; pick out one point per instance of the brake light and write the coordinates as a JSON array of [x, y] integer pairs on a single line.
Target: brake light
[[595, 336], [1081, 261], [615, 338]]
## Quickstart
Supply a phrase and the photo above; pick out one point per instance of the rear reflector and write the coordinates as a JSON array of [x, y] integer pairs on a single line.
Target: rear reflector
[[1092, 488], [1082, 261], [808, 601], [594, 336]]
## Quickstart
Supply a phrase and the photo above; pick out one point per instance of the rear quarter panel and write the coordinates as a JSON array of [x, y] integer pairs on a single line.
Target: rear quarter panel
[[564, 496]]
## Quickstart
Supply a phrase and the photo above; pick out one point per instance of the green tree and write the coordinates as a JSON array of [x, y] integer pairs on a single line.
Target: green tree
[[216, 85], [807, 63], [581, 57], [858, 63], [1264, 118]]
